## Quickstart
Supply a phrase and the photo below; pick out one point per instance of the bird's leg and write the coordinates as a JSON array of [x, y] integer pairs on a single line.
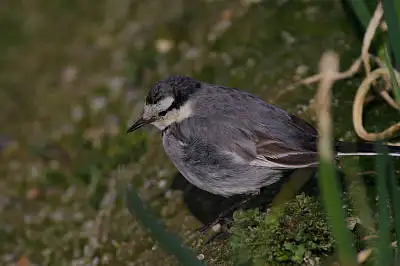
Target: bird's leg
[[223, 214], [219, 235]]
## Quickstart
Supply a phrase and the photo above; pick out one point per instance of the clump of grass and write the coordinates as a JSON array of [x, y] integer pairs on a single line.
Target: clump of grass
[[293, 233]]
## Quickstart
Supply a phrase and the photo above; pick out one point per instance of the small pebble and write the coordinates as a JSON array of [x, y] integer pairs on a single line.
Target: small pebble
[[77, 113], [98, 103], [162, 183], [216, 228], [163, 46], [69, 74]]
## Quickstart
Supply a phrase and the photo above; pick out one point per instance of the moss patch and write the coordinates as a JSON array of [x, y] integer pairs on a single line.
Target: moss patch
[[293, 233]]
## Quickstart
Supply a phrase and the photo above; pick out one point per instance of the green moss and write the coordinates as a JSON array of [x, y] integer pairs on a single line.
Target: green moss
[[289, 234]]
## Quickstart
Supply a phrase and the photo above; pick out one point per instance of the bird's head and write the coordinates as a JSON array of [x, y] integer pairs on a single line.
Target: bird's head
[[167, 102]]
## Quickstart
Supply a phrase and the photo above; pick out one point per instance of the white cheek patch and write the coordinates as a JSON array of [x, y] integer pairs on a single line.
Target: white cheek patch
[[151, 110], [175, 116]]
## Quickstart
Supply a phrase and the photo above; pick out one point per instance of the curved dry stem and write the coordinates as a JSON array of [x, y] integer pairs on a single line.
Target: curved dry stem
[[389, 99], [358, 109], [369, 35]]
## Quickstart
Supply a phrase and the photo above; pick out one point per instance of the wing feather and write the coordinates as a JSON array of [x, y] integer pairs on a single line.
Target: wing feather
[[276, 153]]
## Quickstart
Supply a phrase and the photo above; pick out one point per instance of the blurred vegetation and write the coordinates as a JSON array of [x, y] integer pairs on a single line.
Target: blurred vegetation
[[73, 74]]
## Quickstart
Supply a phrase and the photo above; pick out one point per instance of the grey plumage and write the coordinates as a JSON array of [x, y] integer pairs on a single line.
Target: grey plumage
[[227, 141], [214, 149]]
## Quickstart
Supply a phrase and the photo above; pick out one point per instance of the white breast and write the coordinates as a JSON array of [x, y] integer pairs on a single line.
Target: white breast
[[174, 150]]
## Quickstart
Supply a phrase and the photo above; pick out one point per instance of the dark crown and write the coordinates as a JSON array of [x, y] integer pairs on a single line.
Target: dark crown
[[178, 87]]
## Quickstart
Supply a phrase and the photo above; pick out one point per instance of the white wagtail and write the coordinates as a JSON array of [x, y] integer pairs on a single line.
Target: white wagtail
[[227, 141]]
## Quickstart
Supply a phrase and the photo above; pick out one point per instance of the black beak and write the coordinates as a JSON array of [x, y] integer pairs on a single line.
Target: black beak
[[138, 124]]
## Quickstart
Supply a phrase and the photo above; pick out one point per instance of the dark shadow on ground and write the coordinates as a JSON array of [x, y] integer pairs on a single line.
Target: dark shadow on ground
[[206, 207]]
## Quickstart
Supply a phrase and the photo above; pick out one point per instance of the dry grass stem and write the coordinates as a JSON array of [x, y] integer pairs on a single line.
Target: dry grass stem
[[363, 255], [329, 66], [369, 35]]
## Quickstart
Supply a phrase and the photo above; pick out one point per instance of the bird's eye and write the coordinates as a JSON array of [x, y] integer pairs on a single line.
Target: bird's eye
[[162, 113]]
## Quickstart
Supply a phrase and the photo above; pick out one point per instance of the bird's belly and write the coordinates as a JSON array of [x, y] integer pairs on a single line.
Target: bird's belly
[[224, 177], [227, 182]]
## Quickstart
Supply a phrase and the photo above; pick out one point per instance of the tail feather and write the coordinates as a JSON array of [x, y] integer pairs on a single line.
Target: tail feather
[[364, 149]]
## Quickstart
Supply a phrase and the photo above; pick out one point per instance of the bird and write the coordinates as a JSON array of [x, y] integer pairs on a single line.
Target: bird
[[227, 141]]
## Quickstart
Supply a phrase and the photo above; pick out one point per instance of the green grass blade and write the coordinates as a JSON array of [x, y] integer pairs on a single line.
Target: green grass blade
[[395, 200], [384, 253], [393, 78], [361, 10], [328, 65], [168, 241], [358, 191], [397, 7], [392, 21], [333, 206]]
